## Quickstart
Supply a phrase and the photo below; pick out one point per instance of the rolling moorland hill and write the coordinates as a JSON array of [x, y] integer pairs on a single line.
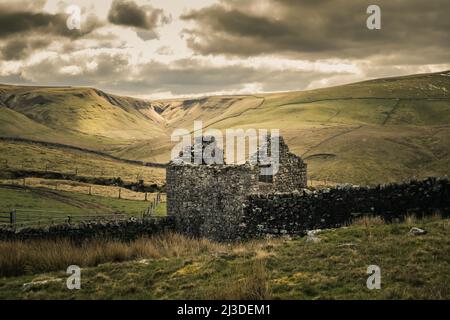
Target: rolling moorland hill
[[370, 132], [76, 116]]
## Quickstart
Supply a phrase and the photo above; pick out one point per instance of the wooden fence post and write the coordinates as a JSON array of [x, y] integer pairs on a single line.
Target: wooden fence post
[[13, 217], [90, 190], [145, 196], [120, 192]]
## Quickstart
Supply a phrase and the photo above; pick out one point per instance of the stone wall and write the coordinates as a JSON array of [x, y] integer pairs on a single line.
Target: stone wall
[[117, 230], [291, 175], [207, 200], [292, 171], [220, 207], [294, 213]]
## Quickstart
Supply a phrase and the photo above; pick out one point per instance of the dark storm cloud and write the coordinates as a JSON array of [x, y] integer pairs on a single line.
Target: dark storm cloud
[[128, 13], [25, 28], [20, 48], [414, 35], [322, 28], [16, 21]]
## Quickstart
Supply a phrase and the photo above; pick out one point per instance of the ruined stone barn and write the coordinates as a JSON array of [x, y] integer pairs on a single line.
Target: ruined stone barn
[[208, 200]]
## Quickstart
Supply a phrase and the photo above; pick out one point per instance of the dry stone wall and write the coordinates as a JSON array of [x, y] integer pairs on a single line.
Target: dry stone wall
[[291, 175], [207, 200], [292, 171], [230, 214], [294, 213], [125, 230]]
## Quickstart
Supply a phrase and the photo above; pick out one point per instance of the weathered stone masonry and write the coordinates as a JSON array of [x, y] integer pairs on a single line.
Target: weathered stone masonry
[[228, 203], [207, 200], [294, 213], [263, 215], [126, 230]]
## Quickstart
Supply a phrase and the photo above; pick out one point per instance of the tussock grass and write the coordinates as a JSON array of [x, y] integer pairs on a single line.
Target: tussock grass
[[171, 266], [412, 220], [252, 284], [20, 257], [408, 220], [368, 221]]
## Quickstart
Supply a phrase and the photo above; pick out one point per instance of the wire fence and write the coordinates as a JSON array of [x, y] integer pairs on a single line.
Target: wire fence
[[83, 188], [6, 218], [152, 209], [30, 217], [20, 218]]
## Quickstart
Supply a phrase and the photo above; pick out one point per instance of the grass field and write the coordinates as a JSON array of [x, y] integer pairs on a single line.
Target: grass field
[[174, 267], [44, 204], [29, 156], [83, 188]]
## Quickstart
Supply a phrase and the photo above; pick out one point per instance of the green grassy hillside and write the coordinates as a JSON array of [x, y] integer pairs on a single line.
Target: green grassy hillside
[[370, 132], [77, 116], [15, 155]]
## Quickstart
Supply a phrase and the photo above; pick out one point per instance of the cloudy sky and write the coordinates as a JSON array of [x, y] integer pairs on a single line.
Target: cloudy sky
[[171, 48]]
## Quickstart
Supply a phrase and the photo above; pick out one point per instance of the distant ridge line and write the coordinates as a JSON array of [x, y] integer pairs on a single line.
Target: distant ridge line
[[364, 98], [99, 153]]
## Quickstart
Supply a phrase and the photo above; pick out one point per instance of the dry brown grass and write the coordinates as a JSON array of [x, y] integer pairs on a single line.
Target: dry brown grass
[[409, 220], [412, 220], [19, 257], [368, 221]]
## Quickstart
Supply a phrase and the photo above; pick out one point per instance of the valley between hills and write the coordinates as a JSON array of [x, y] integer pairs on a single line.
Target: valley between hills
[[377, 131]]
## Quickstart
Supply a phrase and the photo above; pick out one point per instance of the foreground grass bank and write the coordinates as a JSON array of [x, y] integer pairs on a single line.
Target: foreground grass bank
[[174, 267]]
